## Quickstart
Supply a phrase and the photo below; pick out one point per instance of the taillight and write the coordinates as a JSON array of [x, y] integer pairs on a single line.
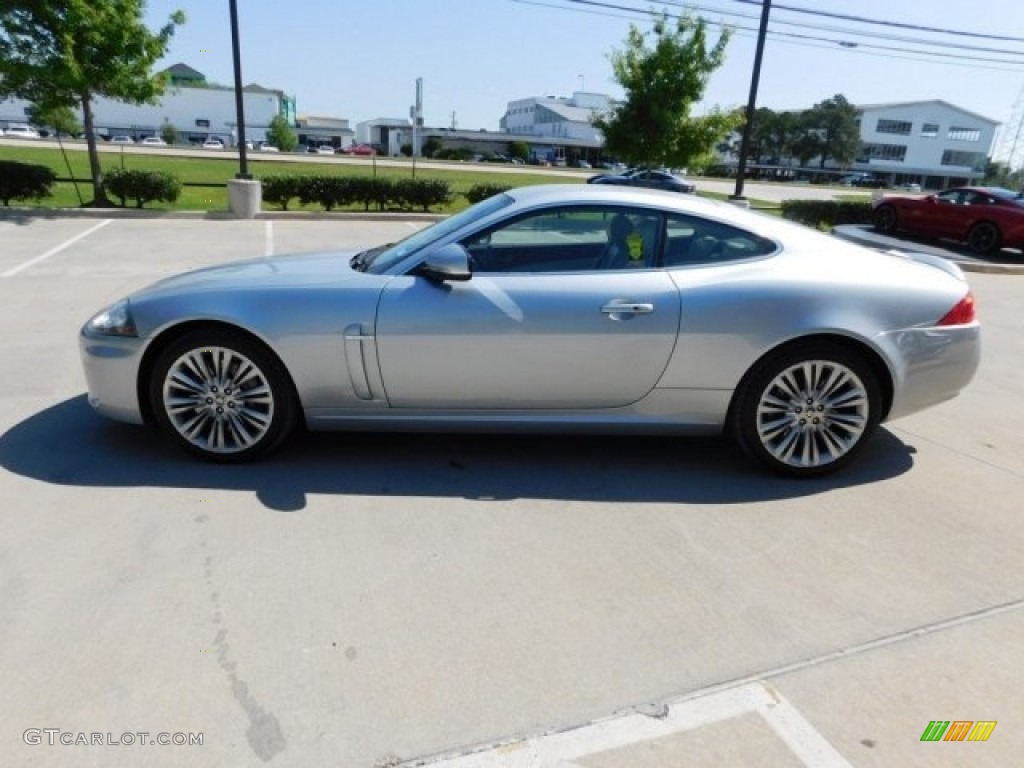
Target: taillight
[[962, 313]]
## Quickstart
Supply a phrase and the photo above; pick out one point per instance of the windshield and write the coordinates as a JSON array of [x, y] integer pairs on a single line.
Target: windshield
[[1007, 194], [380, 260]]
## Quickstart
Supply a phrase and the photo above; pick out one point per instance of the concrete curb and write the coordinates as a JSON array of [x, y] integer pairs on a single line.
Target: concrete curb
[[862, 236], [134, 213]]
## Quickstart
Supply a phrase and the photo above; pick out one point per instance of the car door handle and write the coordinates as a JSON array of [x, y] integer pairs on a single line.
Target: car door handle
[[613, 308]]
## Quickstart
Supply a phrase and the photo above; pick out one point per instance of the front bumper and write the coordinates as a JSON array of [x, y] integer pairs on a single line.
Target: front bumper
[[111, 365]]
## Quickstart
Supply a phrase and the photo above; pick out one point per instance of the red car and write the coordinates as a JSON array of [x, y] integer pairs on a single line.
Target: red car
[[986, 218], [361, 149]]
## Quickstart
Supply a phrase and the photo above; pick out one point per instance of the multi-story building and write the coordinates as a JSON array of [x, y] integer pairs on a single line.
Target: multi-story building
[[556, 117], [933, 143]]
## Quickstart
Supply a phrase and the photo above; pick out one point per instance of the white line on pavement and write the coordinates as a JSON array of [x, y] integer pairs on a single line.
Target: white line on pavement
[[67, 243], [563, 749], [269, 233]]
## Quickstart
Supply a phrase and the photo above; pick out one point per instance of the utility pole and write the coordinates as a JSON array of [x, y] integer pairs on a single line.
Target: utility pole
[[243, 161], [755, 78]]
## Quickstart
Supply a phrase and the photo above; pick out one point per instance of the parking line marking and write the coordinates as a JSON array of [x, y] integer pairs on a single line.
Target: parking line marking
[[564, 748], [268, 230], [53, 251]]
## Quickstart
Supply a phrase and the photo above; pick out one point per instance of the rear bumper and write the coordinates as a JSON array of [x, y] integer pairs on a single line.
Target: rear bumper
[[935, 364]]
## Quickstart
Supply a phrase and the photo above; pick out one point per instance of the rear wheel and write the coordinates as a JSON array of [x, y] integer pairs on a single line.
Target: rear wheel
[[984, 238], [885, 218], [808, 410], [221, 395]]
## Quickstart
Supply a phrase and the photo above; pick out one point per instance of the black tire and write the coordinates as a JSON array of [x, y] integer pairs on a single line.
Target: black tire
[[807, 410], [984, 238], [885, 218], [222, 396]]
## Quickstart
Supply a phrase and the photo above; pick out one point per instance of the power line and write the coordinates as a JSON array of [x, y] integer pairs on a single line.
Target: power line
[[843, 43], [884, 23], [845, 30]]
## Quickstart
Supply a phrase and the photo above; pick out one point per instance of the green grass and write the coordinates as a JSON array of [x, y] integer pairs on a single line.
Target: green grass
[[217, 170]]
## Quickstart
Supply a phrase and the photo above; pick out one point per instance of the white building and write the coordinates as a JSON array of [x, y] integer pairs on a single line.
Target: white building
[[933, 143], [557, 117], [196, 109]]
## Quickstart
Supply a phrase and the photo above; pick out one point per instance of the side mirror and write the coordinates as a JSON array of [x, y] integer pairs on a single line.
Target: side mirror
[[449, 262]]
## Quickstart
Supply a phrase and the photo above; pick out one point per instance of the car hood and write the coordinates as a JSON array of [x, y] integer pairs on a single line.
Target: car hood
[[268, 272]]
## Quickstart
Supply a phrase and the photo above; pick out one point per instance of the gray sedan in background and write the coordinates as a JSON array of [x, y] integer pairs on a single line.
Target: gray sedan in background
[[555, 308], [647, 178]]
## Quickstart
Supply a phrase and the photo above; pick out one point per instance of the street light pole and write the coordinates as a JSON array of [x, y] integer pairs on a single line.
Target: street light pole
[[766, 6], [243, 160]]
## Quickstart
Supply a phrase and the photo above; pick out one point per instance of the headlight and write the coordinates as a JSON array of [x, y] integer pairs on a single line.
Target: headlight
[[115, 320]]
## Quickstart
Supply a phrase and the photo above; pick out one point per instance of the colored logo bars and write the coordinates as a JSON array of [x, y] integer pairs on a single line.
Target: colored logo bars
[[958, 730]]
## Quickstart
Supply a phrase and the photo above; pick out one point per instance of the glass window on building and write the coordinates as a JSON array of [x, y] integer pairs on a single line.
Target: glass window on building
[[959, 133], [930, 131], [900, 127], [974, 160], [895, 153]]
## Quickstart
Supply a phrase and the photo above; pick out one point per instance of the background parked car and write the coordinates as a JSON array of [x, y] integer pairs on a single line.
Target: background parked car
[[986, 218], [650, 179], [213, 144], [869, 180], [265, 147], [21, 132], [325, 149], [153, 141], [121, 139], [362, 149]]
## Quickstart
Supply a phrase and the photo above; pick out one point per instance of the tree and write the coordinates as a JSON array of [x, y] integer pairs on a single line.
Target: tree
[[59, 119], [663, 82], [281, 135], [169, 133], [519, 149], [831, 130], [64, 54]]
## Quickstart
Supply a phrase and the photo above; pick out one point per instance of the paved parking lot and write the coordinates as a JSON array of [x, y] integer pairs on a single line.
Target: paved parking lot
[[367, 600]]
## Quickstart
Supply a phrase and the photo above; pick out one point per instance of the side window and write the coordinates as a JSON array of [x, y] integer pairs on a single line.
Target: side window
[[952, 197], [693, 240], [577, 239]]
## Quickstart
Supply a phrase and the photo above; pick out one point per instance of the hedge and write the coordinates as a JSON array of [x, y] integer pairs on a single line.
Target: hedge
[[24, 181], [480, 192], [826, 213], [281, 190], [144, 186], [340, 191]]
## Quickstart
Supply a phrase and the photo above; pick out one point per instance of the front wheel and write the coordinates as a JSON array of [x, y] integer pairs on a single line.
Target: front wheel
[[984, 238], [885, 218], [808, 410], [221, 395]]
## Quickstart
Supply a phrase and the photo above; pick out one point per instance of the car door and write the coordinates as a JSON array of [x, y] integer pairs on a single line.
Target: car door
[[941, 215], [540, 325]]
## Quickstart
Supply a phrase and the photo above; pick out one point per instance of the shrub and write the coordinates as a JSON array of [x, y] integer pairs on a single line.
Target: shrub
[[144, 186], [328, 191], [480, 192], [24, 181], [281, 190], [422, 193], [815, 213], [367, 190]]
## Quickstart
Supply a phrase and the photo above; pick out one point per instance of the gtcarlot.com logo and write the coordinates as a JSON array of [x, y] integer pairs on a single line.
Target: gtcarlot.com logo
[[56, 736]]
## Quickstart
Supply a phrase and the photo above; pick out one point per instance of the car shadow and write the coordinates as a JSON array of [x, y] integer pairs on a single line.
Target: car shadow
[[68, 444]]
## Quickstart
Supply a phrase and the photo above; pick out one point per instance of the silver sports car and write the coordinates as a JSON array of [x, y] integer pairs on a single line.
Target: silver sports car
[[558, 308]]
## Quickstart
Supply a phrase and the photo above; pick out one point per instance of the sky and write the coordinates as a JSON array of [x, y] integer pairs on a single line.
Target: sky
[[360, 60]]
